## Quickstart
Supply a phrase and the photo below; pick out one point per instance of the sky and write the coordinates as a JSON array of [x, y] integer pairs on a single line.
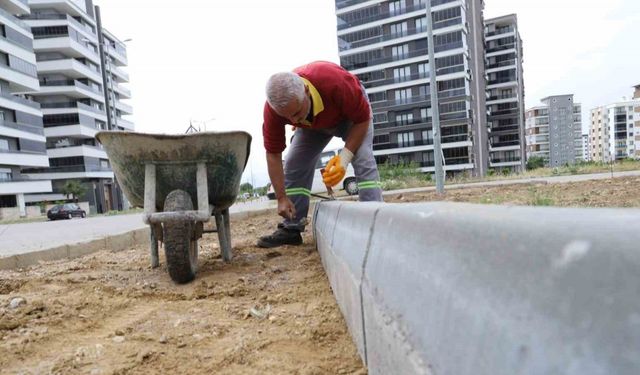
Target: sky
[[207, 61]]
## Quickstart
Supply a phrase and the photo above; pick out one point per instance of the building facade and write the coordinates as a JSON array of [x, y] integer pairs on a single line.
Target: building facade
[[384, 43], [22, 140], [554, 131], [586, 155], [505, 93], [79, 67], [636, 97], [612, 134]]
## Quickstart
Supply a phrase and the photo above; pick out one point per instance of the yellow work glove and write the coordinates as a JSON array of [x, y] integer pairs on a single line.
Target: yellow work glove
[[337, 167]]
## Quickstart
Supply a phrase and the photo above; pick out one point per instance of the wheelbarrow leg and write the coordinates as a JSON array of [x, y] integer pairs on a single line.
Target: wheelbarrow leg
[[222, 223], [155, 261], [150, 208]]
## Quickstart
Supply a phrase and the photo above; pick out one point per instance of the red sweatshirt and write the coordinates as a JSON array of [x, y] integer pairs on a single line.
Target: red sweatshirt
[[336, 95]]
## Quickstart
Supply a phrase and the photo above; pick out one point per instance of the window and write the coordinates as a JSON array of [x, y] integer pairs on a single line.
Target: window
[[4, 144], [405, 139], [423, 70], [403, 96], [402, 74], [400, 52], [421, 24], [427, 135], [396, 7], [427, 157], [404, 119], [5, 174], [398, 29], [425, 113]]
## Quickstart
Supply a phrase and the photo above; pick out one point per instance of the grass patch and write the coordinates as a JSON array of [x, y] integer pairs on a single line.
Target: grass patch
[[404, 176], [537, 199]]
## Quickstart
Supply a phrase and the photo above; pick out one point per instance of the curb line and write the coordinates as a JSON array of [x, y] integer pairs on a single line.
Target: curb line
[[116, 242]]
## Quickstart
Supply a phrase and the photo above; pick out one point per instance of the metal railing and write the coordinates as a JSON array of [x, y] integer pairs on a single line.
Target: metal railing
[[342, 24], [17, 99], [33, 129], [502, 30]]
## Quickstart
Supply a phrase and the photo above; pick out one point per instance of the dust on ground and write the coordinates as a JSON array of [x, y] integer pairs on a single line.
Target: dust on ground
[[616, 192], [110, 313]]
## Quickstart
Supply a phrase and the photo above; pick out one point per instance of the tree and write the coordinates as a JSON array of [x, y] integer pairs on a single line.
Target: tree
[[246, 188], [535, 162], [74, 188]]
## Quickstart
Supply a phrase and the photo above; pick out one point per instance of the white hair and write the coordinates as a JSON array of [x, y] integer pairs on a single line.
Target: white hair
[[282, 88]]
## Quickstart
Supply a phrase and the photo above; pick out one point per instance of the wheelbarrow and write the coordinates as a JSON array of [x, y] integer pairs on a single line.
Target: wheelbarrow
[[165, 173]]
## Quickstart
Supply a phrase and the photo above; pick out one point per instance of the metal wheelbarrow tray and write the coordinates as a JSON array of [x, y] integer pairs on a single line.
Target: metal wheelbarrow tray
[[165, 173]]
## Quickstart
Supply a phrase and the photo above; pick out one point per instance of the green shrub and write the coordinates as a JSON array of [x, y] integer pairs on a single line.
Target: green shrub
[[535, 162]]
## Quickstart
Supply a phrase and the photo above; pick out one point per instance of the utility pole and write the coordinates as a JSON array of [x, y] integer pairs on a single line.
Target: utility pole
[[435, 109]]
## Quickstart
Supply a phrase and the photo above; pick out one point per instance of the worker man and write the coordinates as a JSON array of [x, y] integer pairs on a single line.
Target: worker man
[[321, 100]]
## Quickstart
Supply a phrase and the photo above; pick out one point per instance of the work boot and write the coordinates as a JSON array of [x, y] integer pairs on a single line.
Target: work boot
[[282, 236]]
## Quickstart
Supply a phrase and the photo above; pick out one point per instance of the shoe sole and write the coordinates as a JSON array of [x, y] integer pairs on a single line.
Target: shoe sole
[[268, 245]]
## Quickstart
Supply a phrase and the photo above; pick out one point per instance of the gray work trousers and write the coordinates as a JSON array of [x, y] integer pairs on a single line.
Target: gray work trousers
[[299, 168]]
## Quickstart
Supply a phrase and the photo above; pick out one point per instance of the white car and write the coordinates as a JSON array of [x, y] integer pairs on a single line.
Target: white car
[[348, 183]]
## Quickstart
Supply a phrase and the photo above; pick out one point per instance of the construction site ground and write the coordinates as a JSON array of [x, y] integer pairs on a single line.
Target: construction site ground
[[269, 311]]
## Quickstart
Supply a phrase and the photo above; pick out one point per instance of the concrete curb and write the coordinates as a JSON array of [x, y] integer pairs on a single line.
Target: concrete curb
[[115, 242], [448, 288]]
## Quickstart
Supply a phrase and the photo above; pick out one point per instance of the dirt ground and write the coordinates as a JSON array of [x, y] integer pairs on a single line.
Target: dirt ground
[[617, 192], [110, 313]]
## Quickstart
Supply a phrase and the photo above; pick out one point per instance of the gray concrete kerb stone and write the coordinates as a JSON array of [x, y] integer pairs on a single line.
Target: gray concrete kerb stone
[[470, 289]]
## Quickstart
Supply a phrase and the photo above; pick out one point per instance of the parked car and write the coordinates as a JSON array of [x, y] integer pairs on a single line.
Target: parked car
[[349, 183], [66, 211]]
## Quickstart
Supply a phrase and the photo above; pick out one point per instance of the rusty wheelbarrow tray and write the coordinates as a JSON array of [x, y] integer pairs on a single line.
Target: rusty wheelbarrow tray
[[163, 173]]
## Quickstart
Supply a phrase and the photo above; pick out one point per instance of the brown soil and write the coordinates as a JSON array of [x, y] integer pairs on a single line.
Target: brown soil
[[110, 313], [617, 192]]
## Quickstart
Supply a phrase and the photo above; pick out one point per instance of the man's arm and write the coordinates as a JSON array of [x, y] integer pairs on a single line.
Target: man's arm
[[356, 136], [276, 174]]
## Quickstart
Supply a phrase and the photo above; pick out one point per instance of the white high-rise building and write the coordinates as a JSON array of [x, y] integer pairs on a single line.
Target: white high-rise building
[[80, 69], [612, 134], [22, 140]]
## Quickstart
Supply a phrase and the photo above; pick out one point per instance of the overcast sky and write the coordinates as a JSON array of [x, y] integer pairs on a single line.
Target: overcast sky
[[202, 59]]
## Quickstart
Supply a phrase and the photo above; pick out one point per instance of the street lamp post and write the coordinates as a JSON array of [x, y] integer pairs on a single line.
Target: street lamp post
[[435, 110]]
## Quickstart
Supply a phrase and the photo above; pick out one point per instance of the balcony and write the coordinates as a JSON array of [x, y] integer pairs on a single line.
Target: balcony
[[387, 146], [504, 160], [401, 102], [502, 97], [506, 129], [498, 81], [501, 64], [20, 100], [504, 112], [390, 81], [23, 158], [69, 67], [373, 62], [501, 30], [15, 7], [504, 144], [342, 25], [22, 127], [72, 85], [499, 48], [345, 46], [68, 169]]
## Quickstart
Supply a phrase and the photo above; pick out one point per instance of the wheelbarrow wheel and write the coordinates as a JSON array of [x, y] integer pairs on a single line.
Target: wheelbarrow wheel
[[180, 249]]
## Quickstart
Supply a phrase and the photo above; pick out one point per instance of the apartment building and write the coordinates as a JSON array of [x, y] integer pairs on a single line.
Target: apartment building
[[385, 44], [22, 140], [636, 96], [80, 70], [612, 131], [505, 93], [554, 131], [586, 156]]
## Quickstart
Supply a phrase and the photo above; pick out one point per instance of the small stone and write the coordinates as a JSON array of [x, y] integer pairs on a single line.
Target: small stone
[[181, 345], [197, 337], [163, 339], [17, 302], [119, 332], [118, 339]]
